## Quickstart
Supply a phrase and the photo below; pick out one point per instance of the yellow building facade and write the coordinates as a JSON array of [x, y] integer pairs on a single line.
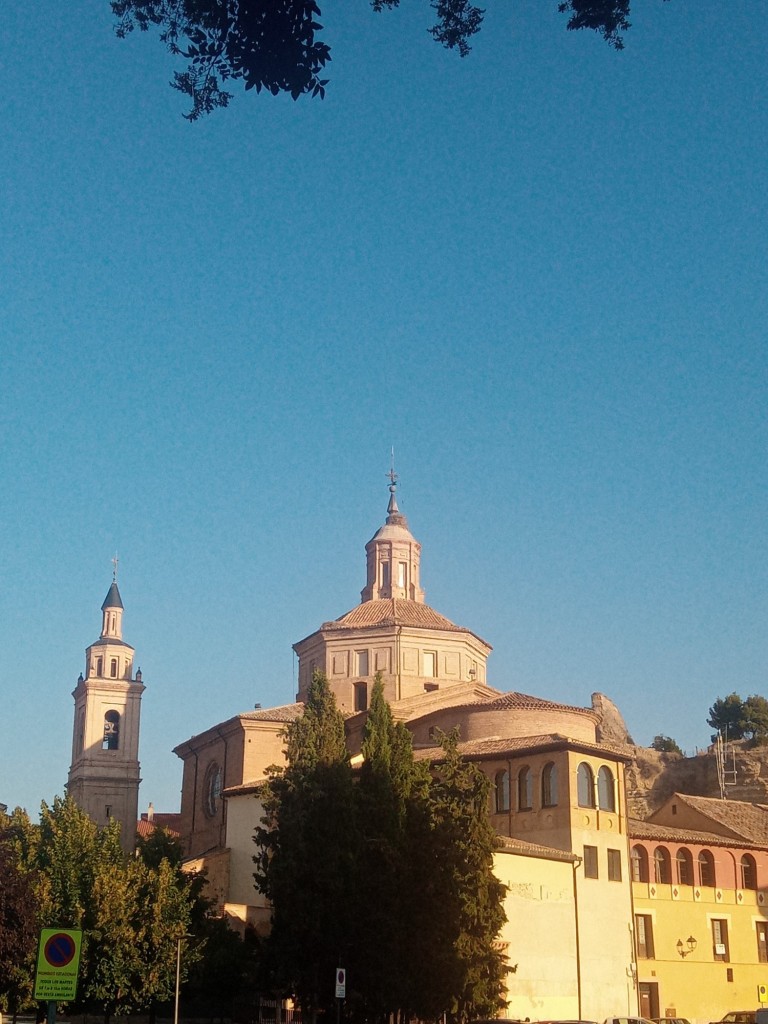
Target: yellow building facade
[[699, 884]]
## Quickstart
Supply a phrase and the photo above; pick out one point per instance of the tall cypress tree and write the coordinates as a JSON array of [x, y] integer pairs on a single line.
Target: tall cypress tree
[[390, 786], [307, 850]]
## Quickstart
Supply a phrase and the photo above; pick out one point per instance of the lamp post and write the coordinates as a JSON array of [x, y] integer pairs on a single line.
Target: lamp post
[[179, 940], [690, 942]]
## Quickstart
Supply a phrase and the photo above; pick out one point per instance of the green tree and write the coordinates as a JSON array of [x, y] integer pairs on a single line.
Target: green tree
[[158, 846], [394, 874], [307, 852], [18, 925], [665, 745], [391, 791], [755, 718], [274, 44], [462, 970], [131, 912], [727, 716]]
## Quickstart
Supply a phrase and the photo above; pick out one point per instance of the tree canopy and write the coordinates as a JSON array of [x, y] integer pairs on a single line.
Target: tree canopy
[[386, 871], [740, 719], [68, 872], [665, 745], [275, 45]]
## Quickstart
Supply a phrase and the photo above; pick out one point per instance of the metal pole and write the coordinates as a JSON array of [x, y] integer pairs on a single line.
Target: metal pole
[[178, 978]]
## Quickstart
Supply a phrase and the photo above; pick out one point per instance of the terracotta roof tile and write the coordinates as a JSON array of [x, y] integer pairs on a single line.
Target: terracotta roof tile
[[170, 822], [747, 820], [284, 713], [496, 746], [526, 849], [394, 612], [638, 829]]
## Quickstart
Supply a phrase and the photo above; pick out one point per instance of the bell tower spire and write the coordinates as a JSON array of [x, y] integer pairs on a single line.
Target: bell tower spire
[[104, 774], [393, 555]]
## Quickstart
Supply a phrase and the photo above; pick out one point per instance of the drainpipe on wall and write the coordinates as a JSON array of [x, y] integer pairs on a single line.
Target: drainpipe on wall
[[223, 833], [632, 953], [398, 680], [509, 812], [577, 864], [194, 795]]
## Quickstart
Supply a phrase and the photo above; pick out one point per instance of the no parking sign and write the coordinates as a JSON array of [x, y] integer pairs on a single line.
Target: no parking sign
[[58, 961]]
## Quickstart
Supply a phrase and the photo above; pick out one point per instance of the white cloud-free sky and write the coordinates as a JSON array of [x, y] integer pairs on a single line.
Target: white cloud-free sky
[[539, 273]]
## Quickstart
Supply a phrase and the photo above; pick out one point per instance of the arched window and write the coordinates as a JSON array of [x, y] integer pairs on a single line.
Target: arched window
[[606, 797], [524, 789], [639, 862], [549, 785], [706, 868], [81, 731], [502, 791], [111, 739], [748, 872], [113, 668], [661, 865], [684, 862], [585, 785]]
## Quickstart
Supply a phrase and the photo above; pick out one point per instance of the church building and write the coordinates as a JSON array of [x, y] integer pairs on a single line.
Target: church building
[[559, 803], [607, 915], [104, 775]]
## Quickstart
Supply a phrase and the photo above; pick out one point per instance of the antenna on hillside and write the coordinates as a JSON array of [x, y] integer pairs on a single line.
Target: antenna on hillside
[[725, 776]]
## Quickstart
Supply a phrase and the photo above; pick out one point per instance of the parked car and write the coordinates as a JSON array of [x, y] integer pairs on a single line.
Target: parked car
[[670, 1020], [737, 1017], [566, 1022], [627, 1020]]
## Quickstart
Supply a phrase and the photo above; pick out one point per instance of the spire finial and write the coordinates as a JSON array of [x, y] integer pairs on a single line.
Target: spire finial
[[392, 507], [115, 561]]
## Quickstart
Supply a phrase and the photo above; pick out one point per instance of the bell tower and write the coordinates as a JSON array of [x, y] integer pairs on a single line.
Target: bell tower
[[104, 774]]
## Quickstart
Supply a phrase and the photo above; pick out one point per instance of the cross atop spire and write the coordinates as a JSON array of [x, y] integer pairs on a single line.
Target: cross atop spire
[[394, 514], [115, 561]]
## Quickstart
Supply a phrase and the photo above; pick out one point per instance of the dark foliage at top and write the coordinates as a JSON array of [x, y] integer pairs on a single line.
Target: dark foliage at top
[[274, 44]]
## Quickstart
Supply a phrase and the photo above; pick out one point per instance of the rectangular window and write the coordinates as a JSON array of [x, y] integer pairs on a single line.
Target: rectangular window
[[644, 937], [361, 662], [720, 940], [402, 574], [361, 697], [385, 574], [614, 865], [430, 659], [590, 862], [762, 942]]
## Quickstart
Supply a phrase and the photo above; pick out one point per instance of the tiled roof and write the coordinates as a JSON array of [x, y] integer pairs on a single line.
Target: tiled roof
[[244, 788], [170, 822], [638, 829], [393, 611], [284, 713], [747, 820], [496, 746], [526, 849], [514, 701], [526, 702]]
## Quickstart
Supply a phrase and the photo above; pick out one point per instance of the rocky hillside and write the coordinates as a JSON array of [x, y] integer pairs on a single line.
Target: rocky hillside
[[652, 776]]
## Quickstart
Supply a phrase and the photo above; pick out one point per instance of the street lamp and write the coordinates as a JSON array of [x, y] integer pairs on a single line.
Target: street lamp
[[690, 942], [179, 940]]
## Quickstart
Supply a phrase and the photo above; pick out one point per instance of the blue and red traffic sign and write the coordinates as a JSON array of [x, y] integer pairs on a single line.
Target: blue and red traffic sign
[[58, 960]]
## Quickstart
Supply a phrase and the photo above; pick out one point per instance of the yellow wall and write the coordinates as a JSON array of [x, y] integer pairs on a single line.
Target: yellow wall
[[697, 986], [539, 937]]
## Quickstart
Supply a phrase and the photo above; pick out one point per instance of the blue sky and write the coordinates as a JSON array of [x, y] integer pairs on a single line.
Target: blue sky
[[539, 273]]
